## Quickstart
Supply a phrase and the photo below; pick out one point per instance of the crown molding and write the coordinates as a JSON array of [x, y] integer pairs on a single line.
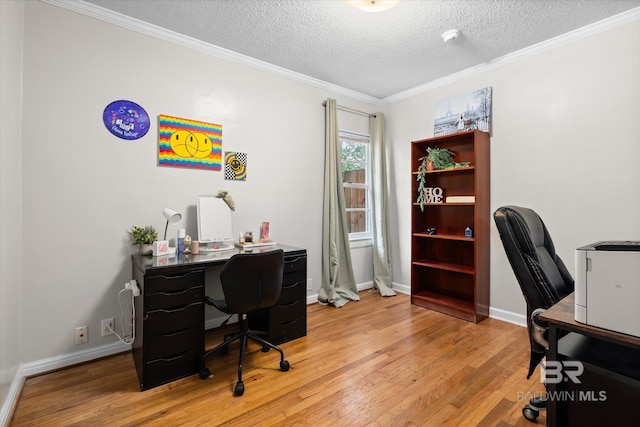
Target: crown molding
[[555, 42], [134, 24]]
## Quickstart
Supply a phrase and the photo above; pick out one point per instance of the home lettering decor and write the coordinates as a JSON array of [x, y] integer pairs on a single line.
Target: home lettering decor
[[433, 195]]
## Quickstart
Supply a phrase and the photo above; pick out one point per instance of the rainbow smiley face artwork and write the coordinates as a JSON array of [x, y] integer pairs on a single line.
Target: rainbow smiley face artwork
[[189, 143]]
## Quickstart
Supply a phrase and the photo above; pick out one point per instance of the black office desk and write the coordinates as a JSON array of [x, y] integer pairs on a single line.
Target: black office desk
[[169, 323], [609, 392]]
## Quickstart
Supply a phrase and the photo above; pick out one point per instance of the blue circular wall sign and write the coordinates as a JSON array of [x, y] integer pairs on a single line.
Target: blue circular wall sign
[[126, 119]]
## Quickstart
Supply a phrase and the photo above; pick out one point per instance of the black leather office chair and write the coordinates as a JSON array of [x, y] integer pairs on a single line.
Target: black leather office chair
[[543, 278], [250, 281]]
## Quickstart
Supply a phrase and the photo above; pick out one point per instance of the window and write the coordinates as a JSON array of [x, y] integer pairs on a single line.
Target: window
[[354, 152]]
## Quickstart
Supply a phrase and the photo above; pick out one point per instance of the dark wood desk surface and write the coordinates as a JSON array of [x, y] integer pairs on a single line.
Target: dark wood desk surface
[[562, 316], [204, 259]]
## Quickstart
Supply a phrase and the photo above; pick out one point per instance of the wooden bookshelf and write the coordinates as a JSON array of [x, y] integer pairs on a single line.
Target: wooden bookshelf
[[449, 271]]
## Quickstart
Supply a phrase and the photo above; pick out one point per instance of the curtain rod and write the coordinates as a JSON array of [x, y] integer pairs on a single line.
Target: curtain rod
[[350, 110]]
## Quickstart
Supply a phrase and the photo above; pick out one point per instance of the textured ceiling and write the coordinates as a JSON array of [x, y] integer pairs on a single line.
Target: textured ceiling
[[377, 54]]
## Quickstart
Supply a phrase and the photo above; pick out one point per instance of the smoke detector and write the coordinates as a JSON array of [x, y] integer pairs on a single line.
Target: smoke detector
[[450, 36]]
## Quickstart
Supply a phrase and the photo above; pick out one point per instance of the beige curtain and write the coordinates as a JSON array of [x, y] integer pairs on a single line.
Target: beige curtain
[[381, 256], [338, 283]]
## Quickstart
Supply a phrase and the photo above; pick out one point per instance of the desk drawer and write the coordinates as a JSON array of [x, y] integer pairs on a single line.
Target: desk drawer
[[295, 264], [174, 282], [180, 341], [281, 323], [285, 312], [287, 331], [174, 298], [294, 277], [159, 322], [161, 371], [292, 292]]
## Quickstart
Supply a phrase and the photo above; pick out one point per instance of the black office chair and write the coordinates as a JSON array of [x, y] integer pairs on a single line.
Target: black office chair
[[543, 278], [250, 281]]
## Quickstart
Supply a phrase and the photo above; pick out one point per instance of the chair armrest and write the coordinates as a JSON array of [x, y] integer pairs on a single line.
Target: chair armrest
[[539, 328]]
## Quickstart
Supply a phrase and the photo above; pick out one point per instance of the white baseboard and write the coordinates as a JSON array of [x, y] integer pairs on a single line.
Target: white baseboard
[[403, 289], [312, 299], [64, 360], [508, 316], [364, 286], [11, 399]]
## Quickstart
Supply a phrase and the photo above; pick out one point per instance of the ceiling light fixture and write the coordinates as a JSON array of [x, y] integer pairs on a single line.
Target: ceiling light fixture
[[373, 5], [450, 36]]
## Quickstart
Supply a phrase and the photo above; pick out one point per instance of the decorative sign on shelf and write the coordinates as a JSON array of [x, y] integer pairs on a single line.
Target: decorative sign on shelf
[[433, 195]]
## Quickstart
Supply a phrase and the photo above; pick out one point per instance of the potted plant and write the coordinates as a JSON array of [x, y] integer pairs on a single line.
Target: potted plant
[[436, 159], [440, 158], [143, 237]]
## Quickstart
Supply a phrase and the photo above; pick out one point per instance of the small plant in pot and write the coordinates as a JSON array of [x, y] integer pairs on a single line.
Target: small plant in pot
[[436, 159], [143, 237], [440, 158]]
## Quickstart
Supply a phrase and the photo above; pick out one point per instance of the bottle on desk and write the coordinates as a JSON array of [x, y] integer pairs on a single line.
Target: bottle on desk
[[180, 244]]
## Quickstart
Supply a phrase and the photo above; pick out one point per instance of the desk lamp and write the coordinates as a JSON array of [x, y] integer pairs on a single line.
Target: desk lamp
[[161, 247], [172, 216]]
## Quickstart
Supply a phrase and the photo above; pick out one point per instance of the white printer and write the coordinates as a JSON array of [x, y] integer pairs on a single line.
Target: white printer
[[607, 286]]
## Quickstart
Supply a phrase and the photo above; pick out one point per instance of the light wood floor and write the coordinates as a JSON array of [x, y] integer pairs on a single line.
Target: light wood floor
[[375, 362]]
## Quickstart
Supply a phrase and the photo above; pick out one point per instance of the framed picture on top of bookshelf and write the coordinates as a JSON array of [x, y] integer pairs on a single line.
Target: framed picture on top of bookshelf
[[471, 111]]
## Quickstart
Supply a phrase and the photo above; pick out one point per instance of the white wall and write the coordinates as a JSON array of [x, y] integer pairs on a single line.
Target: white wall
[[565, 142], [84, 188], [11, 20]]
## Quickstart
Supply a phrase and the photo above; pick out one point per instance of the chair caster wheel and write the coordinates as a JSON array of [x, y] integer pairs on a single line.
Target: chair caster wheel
[[239, 390], [538, 404], [205, 373], [284, 366], [224, 350], [530, 413], [265, 348]]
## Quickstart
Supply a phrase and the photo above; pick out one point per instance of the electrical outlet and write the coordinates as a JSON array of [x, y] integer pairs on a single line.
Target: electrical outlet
[[82, 334], [309, 284], [106, 324]]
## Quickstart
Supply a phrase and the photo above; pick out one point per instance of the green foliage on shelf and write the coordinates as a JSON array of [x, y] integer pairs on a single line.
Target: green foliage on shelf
[[422, 180], [143, 235], [441, 158]]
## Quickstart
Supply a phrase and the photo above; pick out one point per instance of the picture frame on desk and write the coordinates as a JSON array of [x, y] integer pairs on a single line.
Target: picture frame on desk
[[160, 247], [264, 231]]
